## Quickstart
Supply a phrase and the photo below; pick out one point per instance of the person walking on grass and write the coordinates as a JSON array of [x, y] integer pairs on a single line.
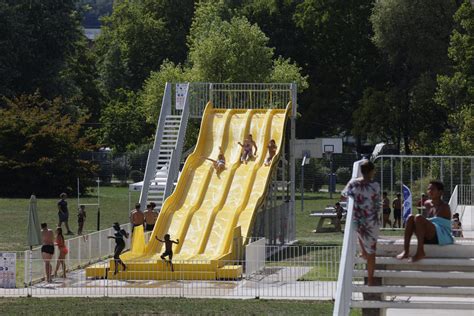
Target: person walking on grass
[[63, 251], [63, 213], [47, 250], [168, 249], [434, 230], [366, 195], [119, 246], [81, 217]]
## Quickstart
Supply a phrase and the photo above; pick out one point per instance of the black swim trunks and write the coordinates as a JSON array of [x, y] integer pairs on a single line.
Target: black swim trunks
[[432, 241], [397, 213], [167, 254], [149, 227], [48, 249], [387, 211]]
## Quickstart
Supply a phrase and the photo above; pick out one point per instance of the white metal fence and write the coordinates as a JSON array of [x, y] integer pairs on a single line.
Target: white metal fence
[[83, 250], [302, 272]]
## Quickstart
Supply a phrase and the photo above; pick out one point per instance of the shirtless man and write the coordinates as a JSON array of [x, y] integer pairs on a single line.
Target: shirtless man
[[47, 250], [136, 217], [150, 217], [247, 147], [386, 210], [435, 230], [397, 211], [272, 149]]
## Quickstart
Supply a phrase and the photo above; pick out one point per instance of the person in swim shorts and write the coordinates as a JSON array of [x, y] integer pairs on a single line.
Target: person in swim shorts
[[150, 217], [272, 148], [63, 251], [219, 164], [386, 210], [119, 246], [247, 147], [397, 211], [435, 230], [47, 249], [168, 249]]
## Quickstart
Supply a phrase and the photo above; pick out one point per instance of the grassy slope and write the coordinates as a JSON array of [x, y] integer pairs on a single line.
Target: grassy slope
[[14, 214], [174, 306]]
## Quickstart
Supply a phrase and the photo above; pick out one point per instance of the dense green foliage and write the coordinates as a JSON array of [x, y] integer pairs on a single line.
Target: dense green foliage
[[40, 148], [398, 71]]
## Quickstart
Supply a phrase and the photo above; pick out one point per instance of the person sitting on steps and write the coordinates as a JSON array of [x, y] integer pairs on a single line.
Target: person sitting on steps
[[435, 230]]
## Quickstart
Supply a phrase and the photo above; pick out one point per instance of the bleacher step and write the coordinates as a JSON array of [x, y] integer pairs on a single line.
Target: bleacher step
[[418, 290], [413, 305], [468, 262], [453, 275]]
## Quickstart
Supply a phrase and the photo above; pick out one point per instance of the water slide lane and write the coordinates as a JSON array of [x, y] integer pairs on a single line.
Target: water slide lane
[[194, 180], [221, 224], [218, 188], [262, 178]]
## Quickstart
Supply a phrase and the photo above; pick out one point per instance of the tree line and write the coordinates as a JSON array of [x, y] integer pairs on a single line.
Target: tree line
[[398, 71]]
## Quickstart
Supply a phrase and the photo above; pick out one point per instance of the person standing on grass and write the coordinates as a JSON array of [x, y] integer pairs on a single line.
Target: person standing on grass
[[60, 262], [434, 230], [63, 213], [119, 246], [81, 217], [366, 195], [397, 211], [386, 210], [47, 249]]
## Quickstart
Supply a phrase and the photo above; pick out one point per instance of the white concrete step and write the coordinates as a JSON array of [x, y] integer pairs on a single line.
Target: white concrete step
[[414, 305], [453, 275], [463, 291], [391, 247], [468, 262]]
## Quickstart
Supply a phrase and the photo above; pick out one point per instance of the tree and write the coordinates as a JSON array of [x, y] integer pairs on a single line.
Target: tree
[[123, 123], [137, 37], [413, 37], [41, 148], [37, 37], [455, 92]]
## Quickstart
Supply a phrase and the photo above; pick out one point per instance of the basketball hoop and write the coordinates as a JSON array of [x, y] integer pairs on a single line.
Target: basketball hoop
[[328, 151]]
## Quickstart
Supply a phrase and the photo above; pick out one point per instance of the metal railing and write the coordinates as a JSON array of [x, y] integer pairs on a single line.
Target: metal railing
[[82, 250], [344, 279], [296, 272]]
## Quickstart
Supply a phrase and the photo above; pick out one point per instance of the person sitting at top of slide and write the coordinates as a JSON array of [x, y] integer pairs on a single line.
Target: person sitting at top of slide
[[218, 164], [272, 149], [435, 230], [247, 147]]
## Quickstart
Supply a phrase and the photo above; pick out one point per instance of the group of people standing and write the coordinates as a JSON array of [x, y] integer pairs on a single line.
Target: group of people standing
[[146, 219]]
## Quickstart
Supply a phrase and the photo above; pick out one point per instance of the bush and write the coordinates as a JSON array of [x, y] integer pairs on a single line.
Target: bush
[[136, 175], [343, 175]]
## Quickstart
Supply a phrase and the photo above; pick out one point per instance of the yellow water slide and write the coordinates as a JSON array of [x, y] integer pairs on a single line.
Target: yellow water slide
[[208, 210]]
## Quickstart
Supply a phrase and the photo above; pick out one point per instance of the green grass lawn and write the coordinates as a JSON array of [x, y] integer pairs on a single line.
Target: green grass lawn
[[162, 306], [14, 212]]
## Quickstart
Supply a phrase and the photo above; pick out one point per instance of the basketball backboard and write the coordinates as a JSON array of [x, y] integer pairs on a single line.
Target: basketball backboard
[[316, 147]]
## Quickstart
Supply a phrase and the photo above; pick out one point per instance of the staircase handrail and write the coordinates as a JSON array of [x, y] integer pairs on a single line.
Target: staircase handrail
[[150, 169], [346, 266], [173, 169]]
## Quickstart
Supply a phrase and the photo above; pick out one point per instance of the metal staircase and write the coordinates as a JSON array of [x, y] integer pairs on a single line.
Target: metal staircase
[[163, 162]]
